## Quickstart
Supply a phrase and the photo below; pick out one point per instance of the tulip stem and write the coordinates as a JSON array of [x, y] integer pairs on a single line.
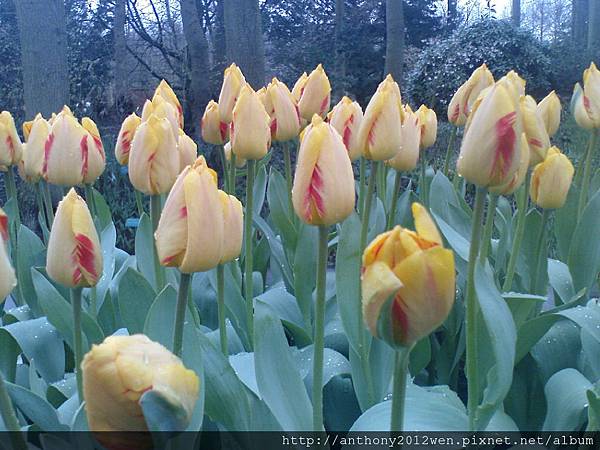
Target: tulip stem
[[587, 166], [221, 151], [368, 201], [472, 309], [401, 361], [155, 215], [10, 418], [232, 173], [288, 175], [182, 301], [361, 186], [423, 181], [77, 342], [449, 151], [248, 260], [139, 202], [11, 188], [523, 206], [221, 308], [395, 194], [540, 252], [317, 386], [48, 203], [486, 244]]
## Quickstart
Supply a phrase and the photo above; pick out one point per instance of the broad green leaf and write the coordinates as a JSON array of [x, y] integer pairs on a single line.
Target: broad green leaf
[[531, 332], [108, 241], [144, 249], [565, 223], [31, 253], [280, 213], [593, 411], [135, 299], [38, 410], [260, 188], [277, 252], [584, 254], [305, 275], [459, 244], [160, 319], [558, 349], [161, 414], [567, 401], [560, 279], [521, 305]]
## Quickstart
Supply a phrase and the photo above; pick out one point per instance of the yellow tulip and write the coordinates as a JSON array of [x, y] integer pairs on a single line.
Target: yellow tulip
[[160, 108], [408, 155], [551, 180], [429, 124], [516, 82], [299, 86], [94, 159], [118, 372], [33, 152], [233, 224], [346, 118], [490, 151], [380, 134], [8, 280], [188, 150], [315, 94], [27, 125], [74, 256], [125, 137], [462, 102], [190, 230], [233, 81], [586, 102], [250, 133], [535, 129], [10, 143], [239, 162], [323, 191], [153, 158], [281, 107], [214, 131], [165, 91], [511, 185], [549, 110], [408, 282]]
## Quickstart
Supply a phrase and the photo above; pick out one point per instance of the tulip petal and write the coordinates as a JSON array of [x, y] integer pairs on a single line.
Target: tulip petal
[[425, 225], [379, 283]]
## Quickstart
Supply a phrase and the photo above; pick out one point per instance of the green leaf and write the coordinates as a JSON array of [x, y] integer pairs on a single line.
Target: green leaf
[[593, 411], [565, 222], [104, 216], [144, 249], [161, 414], [135, 298], [31, 253], [521, 305], [38, 410], [531, 332], [558, 349], [305, 275], [334, 364], [459, 244], [567, 401], [279, 212], [584, 254], [160, 319], [260, 188], [108, 240], [560, 279], [277, 252]]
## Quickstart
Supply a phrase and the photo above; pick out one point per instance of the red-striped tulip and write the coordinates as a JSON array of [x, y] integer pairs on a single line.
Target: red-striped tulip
[[299, 86], [346, 118], [462, 102], [535, 129], [315, 94], [549, 110], [10, 143], [250, 133], [233, 224], [125, 137], [281, 107], [233, 80], [33, 151], [514, 183], [165, 91], [585, 103], [407, 157], [214, 131], [429, 125], [96, 159]]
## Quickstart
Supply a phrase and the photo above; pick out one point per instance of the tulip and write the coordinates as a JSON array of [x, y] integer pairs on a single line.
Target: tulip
[[160, 108], [153, 158], [551, 180], [94, 157], [117, 374], [33, 151], [346, 118], [408, 155], [4, 224], [10, 144], [188, 150], [315, 94], [515, 82], [428, 120], [233, 81], [8, 280], [585, 102], [281, 107], [250, 132], [239, 162], [463, 100], [166, 92], [535, 129], [511, 185], [27, 125], [549, 110], [125, 137], [299, 86], [214, 131], [490, 150], [323, 192]]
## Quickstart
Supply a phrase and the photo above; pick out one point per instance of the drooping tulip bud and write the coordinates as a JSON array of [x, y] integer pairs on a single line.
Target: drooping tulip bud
[[315, 94], [188, 150], [462, 102], [8, 280], [190, 230], [490, 151], [380, 134], [408, 282], [249, 132], [585, 103], [429, 124], [281, 107], [10, 143], [549, 110], [118, 372], [214, 131], [33, 151], [551, 180], [125, 137], [160, 108], [239, 162], [346, 118], [233, 223], [94, 157], [153, 158], [323, 191], [407, 157], [74, 256], [510, 186], [535, 129], [233, 80], [165, 91]]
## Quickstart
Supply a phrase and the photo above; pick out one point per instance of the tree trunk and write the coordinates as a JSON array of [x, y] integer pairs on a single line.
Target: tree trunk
[[219, 49], [452, 19], [516, 13], [43, 35], [244, 39], [197, 92], [394, 50], [120, 55], [340, 56], [593, 37]]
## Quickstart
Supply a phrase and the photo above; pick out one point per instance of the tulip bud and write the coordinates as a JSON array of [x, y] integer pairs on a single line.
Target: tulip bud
[[233, 223], [585, 102], [33, 151], [408, 282], [346, 118], [250, 133], [549, 111], [188, 150], [380, 134], [118, 372], [299, 86], [490, 151], [428, 120], [154, 158], [462, 102], [511, 185], [10, 144], [27, 125], [233, 80], [281, 107], [408, 155], [74, 254], [533, 125], [94, 157], [190, 230], [516, 83], [125, 137], [323, 191], [239, 162], [315, 94], [165, 91], [214, 131], [551, 180], [160, 108], [8, 280]]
